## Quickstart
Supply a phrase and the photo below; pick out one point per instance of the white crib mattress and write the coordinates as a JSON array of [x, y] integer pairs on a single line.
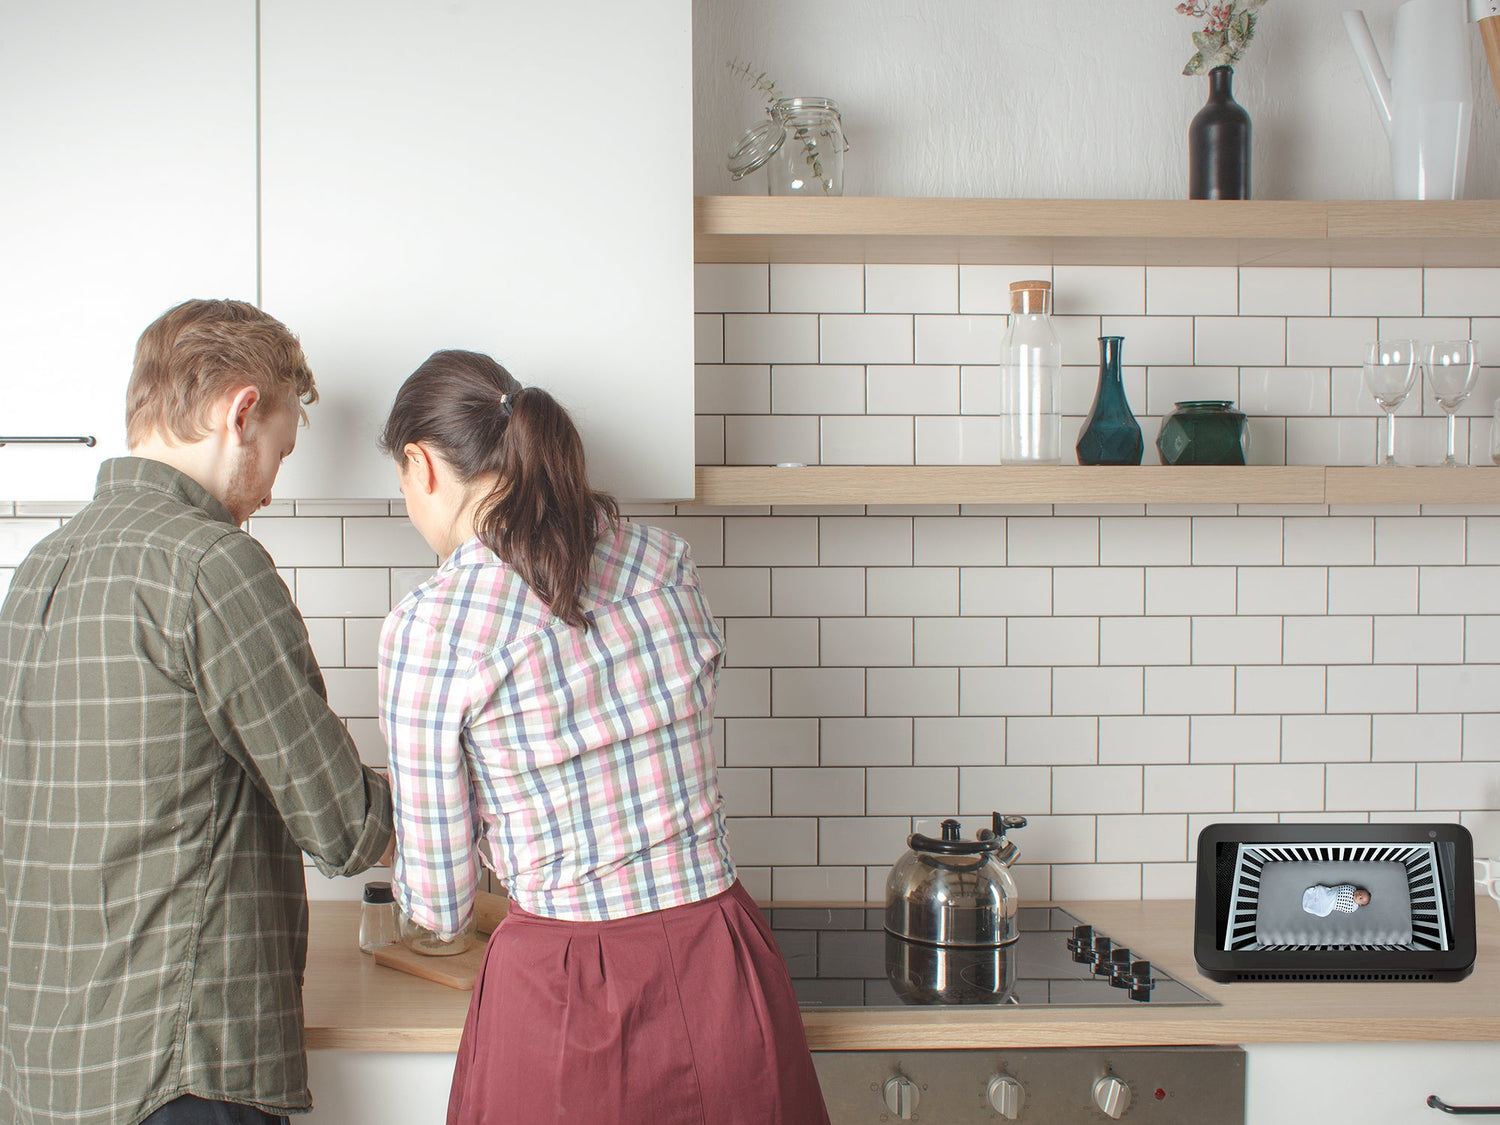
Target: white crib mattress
[[1280, 919]]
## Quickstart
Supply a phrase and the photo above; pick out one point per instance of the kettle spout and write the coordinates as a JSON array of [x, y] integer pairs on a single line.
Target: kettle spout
[[1370, 64]]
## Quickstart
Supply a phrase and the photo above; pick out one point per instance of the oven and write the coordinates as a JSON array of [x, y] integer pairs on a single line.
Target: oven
[[842, 958]]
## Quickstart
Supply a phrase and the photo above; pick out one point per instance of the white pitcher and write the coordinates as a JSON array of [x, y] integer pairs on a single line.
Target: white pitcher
[[1427, 102]]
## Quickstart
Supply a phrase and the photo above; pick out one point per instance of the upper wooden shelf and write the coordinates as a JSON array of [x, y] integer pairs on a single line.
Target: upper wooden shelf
[[732, 486], [750, 228]]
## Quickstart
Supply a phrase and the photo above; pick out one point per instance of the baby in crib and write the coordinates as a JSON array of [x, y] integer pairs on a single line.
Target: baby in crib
[[1346, 898]]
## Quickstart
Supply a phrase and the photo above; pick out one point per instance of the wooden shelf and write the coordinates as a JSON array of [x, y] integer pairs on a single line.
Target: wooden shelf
[[734, 486], [747, 228]]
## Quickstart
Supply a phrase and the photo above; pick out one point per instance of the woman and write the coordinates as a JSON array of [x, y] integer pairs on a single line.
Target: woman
[[549, 692]]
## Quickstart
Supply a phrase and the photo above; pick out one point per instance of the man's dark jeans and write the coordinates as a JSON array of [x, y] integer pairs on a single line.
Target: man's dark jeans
[[188, 1110]]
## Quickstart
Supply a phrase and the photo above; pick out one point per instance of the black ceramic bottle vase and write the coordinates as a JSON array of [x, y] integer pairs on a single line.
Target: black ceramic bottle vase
[[1110, 434], [1219, 143]]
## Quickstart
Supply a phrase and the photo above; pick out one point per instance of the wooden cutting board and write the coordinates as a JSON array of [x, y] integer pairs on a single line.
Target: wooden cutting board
[[462, 969]]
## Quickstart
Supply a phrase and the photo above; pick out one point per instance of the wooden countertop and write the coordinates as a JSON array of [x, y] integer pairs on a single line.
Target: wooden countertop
[[354, 1004]]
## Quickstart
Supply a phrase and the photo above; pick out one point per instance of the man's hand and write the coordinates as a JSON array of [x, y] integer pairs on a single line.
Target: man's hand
[[388, 856]]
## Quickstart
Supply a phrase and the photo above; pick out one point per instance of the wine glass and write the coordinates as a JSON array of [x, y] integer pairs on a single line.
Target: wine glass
[[1390, 371], [1451, 368]]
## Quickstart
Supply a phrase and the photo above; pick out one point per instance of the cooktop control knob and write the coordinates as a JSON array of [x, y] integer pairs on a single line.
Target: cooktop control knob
[[1112, 1096], [1005, 1097], [901, 1096]]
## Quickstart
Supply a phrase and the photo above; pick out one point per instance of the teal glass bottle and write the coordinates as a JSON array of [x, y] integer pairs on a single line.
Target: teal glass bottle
[[1110, 435]]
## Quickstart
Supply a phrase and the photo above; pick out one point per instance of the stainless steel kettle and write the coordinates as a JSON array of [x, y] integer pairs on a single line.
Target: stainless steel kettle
[[956, 892]]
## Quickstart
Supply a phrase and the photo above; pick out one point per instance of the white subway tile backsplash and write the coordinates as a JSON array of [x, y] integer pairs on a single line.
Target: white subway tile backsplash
[[826, 791], [762, 841], [1331, 441], [1049, 641], [344, 592], [1235, 738], [817, 289], [948, 440], [1096, 880], [815, 692], [861, 839], [815, 389], [1051, 740], [309, 541], [1419, 540], [770, 642], [730, 288], [868, 641], [737, 591], [1011, 789], [911, 790], [751, 439], [1053, 541], [1457, 687], [1097, 691], [861, 440], [1185, 590], [1461, 292], [1328, 341], [968, 741], [771, 338], [1145, 640], [866, 339], [1325, 738], [1328, 640], [708, 338], [1192, 290], [1239, 341], [1278, 788], [1127, 739], [865, 541], [959, 541], [1370, 785], [1096, 789], [1142, 541], [1459, 589], [1481, 641], [912, 389], [866, 742], [1377, 292], [1283, 292], [1009, 592], [911, 691], [1095, 290], [766, 541], [911, 289], [1189, 691], [352, 692], [1167, 386], [1329, 541], [1184, 789], [817, 884], [1237, 541], [986, 289], [1416, 738], [1419, 640], [1236, 640], [1282, 590], [743, 693], [1279, 690], [1150, 838], [918, 591], [1150, 340], [747, 792], [1481, 736], [1004, 691], [1454, 785], [1095, 591], [732, 388], [326, 635], [956, 641], [954, 339], [817, 591]]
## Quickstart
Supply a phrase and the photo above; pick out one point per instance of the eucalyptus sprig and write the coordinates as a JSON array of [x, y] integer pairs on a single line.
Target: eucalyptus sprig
[[758, 81], [1223, 39]]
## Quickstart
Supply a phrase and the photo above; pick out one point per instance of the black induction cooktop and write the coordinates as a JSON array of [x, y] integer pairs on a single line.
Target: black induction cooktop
[[842, 957]]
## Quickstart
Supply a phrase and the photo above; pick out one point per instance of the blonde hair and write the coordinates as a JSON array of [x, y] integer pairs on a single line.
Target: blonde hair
[[197, 351]]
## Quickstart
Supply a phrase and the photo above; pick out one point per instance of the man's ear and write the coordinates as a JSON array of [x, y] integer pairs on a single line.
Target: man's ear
[[239, 417], [422, 466]]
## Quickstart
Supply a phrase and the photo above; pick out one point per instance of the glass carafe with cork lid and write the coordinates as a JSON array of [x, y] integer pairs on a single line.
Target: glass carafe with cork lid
[[1030, 379]]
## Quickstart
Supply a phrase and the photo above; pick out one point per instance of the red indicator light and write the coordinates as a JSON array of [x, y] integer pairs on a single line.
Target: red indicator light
[[1160, 1094]]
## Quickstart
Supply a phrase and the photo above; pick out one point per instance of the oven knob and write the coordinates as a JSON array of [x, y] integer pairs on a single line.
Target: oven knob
[[1005, 1097], [1112, 1095], [901, 1096]]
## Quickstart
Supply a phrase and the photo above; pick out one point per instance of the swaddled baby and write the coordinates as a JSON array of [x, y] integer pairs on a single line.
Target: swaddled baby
[[1346, 898]]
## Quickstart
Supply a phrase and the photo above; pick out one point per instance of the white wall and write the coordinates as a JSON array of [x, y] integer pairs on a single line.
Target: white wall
[[1015, 98]]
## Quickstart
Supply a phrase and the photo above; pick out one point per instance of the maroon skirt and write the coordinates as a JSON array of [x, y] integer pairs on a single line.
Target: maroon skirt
[[683, 1016]]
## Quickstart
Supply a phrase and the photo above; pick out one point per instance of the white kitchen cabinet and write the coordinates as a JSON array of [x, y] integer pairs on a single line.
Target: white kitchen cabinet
[[127, 134], [1369, 1083], [378, 1088], [508, 177]]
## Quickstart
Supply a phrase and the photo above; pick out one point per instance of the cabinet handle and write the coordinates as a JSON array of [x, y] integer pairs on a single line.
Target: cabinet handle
[[1435, 1102], [82, 439]]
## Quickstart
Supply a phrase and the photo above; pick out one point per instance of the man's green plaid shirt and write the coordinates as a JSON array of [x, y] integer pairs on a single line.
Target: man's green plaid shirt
[[166, 755]]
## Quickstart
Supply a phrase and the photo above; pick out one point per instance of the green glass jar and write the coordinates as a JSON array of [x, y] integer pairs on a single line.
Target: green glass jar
[[1204, 432]]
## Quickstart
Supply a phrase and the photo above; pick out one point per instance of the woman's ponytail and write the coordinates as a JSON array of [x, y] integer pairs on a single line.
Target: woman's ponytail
[[542, 518]]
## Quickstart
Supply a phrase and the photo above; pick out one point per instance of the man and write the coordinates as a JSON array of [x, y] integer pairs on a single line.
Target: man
[[166, 754]]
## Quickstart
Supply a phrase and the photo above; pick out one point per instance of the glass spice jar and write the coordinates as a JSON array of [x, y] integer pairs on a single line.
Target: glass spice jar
[[419, 939], [378, 917], [801, 145]]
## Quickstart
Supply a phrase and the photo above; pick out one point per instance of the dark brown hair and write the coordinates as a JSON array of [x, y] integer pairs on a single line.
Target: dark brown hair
[[542, 518], [197, 351]]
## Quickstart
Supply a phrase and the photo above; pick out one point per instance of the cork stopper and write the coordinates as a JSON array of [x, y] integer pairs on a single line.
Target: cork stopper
[[1031, 297]]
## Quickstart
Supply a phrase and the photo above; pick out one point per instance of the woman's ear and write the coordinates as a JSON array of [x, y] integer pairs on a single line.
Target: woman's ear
[[421, 467]]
